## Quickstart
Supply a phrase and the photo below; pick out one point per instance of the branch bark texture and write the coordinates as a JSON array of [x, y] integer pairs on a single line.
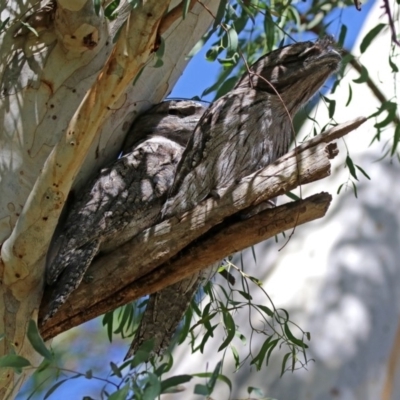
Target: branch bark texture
[[162, 246]]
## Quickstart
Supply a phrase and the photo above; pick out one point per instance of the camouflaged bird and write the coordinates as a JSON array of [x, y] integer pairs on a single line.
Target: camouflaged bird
[[240, 133], [124, 199]]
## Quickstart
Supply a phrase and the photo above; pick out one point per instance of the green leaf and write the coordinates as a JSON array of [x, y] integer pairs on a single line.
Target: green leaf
[[269, 28], [226, 87], [209, 333], [213, 379], [186, 325], [265, 309], [354, 189], [153, 387], [247, 296], [36, 341], [363, 76], [200, 44], [391, 63], [285, 358], [159, 63], [233, 41], [109, 11], [253, 252], [259, 358], [350, 165], [173, 382], [236, 357], [13, 361], [292, 196], [214, 52], [186, 4], [231, 329], [138, 75], [220, 377], [229, 62], [257, 391], [331, 106], [200, 389], [220, 13], [342, 35], [116, 371], [391, 109], [292, 338], [370, 36], [143, 353], [362, 171], [120, 394], [4, 23], [124, 317], [396, 139], [271, 349], [97, 5], [108, 321], [350, 96]]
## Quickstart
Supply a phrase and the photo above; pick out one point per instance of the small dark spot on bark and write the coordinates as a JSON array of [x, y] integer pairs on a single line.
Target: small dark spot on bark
[[21, 172], [149, 15], [16, 344], [17, 214], [54, 117], [73, 90], [45, 218], [73, 37], [97, 153], [89, 42], [51, 105], [107, 43]]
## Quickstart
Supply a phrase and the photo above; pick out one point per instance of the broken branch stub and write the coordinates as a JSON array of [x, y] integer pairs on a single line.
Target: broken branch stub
[[153, 259]]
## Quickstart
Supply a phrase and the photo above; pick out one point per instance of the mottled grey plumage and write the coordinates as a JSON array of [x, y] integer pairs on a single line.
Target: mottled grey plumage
[[165, 309], [125, 198], [250, 127], [243, 131]]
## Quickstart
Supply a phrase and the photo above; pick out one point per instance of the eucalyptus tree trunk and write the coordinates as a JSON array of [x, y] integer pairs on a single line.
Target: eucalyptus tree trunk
[[70, 89]]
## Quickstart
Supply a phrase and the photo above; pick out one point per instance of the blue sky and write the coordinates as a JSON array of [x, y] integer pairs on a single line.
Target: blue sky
[[199, 75]]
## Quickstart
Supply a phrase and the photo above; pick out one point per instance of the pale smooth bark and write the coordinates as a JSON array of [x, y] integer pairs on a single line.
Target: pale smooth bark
[[67, 103]]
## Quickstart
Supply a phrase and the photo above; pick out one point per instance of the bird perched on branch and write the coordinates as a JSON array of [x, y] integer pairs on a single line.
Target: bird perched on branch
[[124, 199], [240, 133]]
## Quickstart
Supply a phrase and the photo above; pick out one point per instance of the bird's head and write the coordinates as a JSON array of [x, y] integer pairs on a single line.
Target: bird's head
[[295, 71]]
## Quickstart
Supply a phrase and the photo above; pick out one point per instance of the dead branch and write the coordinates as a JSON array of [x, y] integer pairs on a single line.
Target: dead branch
[[175, 248]]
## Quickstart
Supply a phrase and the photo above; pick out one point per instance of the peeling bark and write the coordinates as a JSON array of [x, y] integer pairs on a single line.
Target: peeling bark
[[64, 105]]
